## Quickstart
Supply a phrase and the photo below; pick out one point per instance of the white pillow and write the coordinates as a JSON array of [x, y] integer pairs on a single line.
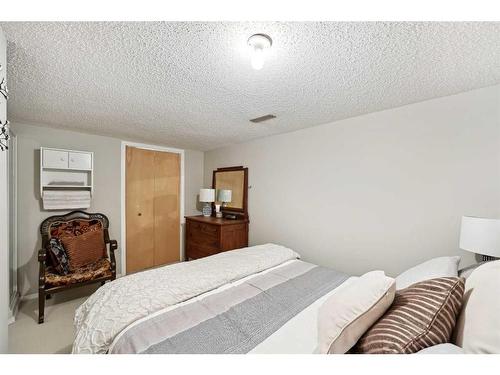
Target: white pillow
[[442, 349], [478, 326], [346, 315], [437, 267]]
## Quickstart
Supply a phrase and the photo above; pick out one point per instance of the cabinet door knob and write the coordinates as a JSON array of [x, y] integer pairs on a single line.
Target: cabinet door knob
[[139, 214]]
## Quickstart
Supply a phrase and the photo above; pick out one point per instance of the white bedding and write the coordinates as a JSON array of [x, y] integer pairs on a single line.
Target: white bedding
[[118, 304], [298, 336]]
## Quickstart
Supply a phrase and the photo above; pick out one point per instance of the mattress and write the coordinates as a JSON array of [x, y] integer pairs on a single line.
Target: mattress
[[260, 299]]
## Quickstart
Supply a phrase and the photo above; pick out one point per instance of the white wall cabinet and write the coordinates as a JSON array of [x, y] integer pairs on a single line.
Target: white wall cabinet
[[54, 158], [66, 170], [80, 160]]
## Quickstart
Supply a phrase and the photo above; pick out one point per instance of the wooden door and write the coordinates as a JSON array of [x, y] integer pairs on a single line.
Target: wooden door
[[167, 208], [139, 198], [152, 196]]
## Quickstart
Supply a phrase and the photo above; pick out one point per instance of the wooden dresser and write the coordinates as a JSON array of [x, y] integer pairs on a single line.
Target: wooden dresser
[[209, 235]]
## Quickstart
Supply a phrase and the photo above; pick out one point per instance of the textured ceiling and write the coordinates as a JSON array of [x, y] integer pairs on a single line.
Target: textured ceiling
[[191, 85]]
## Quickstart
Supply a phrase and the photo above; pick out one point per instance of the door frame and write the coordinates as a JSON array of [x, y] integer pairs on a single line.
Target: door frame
[[123, 235], [12, 188]]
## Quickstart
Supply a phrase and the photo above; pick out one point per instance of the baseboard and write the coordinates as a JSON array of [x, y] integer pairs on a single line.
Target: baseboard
[[13, 308], [28, 297]]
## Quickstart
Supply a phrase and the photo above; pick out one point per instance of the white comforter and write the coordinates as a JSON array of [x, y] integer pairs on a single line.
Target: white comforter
[[119, 303]]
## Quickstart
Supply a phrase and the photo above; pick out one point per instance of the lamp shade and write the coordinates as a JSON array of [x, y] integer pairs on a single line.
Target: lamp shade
[[480, 236], [207, 195], [224, 195]]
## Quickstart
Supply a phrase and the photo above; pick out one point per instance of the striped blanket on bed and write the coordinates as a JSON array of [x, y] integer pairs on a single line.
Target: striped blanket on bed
[[233, 320]]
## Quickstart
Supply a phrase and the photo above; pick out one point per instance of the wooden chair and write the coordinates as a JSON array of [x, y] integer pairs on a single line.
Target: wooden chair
[[73, 223]]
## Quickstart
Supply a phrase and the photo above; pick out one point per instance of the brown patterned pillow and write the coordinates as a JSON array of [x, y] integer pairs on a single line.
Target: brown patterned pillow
[[84, 249], [422, 315]]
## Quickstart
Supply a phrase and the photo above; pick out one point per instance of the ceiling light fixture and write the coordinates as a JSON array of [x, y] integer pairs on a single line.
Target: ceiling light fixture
[[258, 44]]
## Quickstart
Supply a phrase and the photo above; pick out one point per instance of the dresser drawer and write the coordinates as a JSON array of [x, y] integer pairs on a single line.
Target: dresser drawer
[[207, 236], [195, 251], [201, 229], [202, 239]]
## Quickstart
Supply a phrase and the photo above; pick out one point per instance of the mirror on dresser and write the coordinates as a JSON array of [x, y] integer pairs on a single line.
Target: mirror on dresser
[[235, 181]]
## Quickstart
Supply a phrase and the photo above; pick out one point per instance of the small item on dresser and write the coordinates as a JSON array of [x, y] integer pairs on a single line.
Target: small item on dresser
[[207, 197], [59, 256], [422, 315], [218, 212]]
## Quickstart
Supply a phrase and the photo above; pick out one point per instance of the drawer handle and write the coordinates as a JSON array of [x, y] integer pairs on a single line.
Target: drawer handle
[[139, 214]]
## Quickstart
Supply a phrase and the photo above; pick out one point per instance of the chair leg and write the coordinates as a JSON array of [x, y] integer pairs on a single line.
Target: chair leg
[[41, 306]]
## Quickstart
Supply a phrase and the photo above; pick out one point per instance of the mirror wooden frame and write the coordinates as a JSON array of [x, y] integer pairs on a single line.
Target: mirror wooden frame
[[239, 212]]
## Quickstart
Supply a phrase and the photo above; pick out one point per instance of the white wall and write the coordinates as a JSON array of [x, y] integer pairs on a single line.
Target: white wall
[[381, 191], [106, 197], [4, 229]]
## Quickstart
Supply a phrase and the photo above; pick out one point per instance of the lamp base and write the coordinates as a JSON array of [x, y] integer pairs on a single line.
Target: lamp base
[[207, 210], [487, 258]]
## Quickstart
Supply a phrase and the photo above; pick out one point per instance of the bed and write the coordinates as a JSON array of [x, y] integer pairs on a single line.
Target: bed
[[261, 299], [264, 299]]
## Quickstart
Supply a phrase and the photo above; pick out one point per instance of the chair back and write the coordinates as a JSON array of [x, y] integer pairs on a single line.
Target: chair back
[[71, 224]]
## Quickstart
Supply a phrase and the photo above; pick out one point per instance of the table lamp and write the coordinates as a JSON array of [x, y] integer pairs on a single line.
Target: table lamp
[[207, 196], [223, 196], [481, 236]]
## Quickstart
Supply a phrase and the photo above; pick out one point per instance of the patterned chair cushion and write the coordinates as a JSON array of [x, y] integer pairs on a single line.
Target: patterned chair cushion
[[101, 268], [422, 315], [59, 256]]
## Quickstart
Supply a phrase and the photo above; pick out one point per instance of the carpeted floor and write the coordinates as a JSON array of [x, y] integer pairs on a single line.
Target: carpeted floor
[[56, 334]]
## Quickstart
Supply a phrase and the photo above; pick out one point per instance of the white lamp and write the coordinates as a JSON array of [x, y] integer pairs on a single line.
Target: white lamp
[[207, 196], [224, 196], [481, 236]]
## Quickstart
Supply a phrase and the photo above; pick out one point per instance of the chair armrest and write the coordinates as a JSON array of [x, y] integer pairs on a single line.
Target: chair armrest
[[113, 245], [42, 255]]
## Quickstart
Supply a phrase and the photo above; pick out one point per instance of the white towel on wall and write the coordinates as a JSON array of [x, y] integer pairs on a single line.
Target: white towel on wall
[[65, 199]]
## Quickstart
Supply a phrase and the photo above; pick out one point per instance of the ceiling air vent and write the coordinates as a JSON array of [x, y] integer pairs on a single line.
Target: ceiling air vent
[[262, 118]]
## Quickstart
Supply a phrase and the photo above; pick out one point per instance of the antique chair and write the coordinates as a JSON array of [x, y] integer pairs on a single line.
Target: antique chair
[[73, 224]]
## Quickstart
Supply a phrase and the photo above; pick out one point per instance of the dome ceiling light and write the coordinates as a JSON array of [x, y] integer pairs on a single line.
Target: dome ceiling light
[[259, 43]]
